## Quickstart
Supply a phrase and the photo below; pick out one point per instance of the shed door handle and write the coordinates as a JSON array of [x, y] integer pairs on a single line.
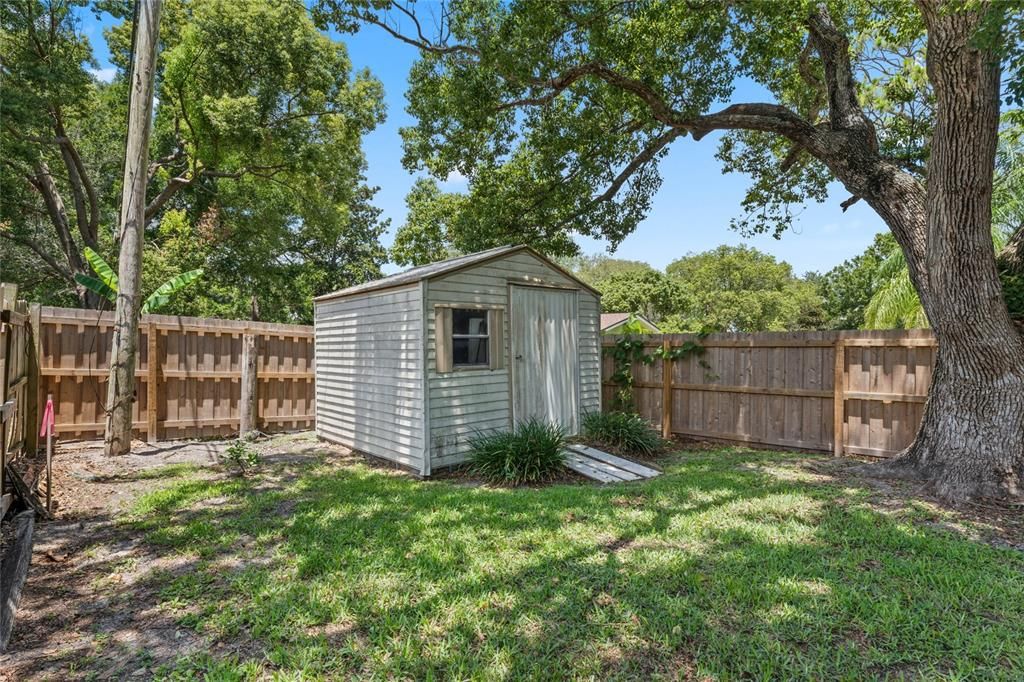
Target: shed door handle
[[519, 357]]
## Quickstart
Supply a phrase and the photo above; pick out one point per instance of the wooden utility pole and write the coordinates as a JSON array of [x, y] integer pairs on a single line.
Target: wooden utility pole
[[121, 387], [247, 413]]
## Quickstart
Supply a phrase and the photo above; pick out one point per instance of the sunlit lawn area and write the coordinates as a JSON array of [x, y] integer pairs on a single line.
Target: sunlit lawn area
[[732, 564]]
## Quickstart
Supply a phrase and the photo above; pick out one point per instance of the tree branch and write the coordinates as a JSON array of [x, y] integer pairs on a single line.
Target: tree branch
[[833, 47], [173, 186], [156, 165], [646, 155], [420, 41], [44, 184], [849, 202], [79, 178], [41, 253], [176, 184]]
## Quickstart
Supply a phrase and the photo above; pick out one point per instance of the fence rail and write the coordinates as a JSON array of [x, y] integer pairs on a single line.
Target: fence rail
[[189, 373], [853, 392]]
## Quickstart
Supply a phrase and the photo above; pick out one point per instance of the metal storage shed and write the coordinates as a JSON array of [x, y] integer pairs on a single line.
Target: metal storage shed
[[410, 366]]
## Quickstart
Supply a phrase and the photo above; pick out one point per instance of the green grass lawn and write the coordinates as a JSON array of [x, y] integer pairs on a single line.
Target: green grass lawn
[[733, 564]]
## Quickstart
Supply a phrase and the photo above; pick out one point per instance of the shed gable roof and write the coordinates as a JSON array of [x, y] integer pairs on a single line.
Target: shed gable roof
[[443, 267]]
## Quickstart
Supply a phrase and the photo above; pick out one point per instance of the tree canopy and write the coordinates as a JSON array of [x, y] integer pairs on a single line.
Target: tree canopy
[[560, 113], [256, 159], [646, 292], [596, 269], [847, 289], [741, 289]]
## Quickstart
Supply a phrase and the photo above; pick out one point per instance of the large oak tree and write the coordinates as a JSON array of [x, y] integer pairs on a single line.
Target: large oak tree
[[559, 113]]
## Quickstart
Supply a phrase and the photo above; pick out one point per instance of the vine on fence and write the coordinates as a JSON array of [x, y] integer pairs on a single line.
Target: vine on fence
[[630, 349]]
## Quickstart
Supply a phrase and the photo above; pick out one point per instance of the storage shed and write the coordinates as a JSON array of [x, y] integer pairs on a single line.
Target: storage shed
[[410, 366]]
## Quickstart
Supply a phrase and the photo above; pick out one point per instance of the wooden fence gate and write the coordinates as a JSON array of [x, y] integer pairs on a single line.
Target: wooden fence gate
[[18, 384], [856, 392]]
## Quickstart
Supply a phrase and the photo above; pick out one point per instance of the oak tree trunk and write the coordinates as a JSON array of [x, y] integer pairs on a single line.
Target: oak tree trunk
[[971, 439], [121, 386]]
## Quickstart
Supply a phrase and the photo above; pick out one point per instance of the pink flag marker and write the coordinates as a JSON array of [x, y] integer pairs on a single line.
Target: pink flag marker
[[48, 420], [47, 430]]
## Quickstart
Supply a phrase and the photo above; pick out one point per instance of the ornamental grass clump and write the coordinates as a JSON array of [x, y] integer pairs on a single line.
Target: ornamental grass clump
[[628, 432], [531, 453]]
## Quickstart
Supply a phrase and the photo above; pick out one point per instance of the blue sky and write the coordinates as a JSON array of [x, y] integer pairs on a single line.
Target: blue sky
[[690, 213]]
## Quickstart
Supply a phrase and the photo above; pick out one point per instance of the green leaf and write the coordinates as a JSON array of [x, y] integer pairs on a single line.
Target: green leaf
[[105, 272], [162, 295], [96, 286]]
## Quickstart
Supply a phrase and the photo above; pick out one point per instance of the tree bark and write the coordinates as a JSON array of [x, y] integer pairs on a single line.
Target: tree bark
[[971, 439], [121, 386], [247, 403]]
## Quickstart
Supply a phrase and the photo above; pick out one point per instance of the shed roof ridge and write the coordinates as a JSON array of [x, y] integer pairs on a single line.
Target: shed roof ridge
[[442, 267]]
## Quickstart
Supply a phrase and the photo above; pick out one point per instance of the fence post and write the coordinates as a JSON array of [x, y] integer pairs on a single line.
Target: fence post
[[152, 382], [247, 403], [666, 390], [8, 297], [839, 399], [32, 389]]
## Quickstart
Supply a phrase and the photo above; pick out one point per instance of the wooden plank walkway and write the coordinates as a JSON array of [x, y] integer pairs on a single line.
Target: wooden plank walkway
[[601, 466]]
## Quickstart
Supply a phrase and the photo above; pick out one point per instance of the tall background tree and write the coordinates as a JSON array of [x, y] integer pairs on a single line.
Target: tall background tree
[[741, 289], [256, 170], [540, 103], [848, 288]]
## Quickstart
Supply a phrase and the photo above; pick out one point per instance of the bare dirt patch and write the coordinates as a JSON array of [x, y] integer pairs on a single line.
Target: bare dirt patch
[[993, 523], [90, 608]]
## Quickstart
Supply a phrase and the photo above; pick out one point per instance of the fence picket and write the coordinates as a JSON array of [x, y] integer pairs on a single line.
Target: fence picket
[[774, 388], [190, 384]]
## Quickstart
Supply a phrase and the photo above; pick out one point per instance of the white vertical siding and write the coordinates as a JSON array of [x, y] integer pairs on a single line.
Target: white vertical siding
[[590, 352], [369, 374], [465, 401]]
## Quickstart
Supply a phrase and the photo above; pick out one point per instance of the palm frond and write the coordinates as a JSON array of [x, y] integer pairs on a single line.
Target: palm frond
[[163, 293], [96, 286], [100, 267]]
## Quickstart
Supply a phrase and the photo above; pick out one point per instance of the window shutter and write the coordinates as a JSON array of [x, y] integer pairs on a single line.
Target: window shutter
[[496, 330], [443, 339]]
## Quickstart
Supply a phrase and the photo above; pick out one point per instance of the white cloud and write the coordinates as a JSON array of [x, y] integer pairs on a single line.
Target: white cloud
[[105, 75], [455, 178]]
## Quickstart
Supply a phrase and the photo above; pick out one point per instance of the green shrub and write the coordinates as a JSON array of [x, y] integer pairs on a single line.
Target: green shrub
[[241, 455], [628, 432], [531, 453]]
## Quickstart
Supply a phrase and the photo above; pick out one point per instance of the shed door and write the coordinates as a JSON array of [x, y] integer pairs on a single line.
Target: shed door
[[544, 360]]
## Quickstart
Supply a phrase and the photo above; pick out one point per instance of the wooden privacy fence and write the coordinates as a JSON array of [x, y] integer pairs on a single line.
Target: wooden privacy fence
[[856, 392], [18, 381], [189, 374]]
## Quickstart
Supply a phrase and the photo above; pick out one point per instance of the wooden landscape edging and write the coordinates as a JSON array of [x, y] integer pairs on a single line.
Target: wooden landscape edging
[[848, 392]]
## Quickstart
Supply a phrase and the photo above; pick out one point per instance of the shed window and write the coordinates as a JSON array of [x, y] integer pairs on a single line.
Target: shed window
[[469, 338]]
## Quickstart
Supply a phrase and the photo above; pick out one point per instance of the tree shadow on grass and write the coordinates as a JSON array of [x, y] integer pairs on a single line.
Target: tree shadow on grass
[[712, 569]]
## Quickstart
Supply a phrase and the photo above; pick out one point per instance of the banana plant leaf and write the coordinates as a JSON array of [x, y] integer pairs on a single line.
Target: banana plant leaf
[[104, 271], [97, 287], [162, 295]]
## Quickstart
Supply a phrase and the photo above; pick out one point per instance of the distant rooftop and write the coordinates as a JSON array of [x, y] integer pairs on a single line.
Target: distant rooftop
[[609, 320]]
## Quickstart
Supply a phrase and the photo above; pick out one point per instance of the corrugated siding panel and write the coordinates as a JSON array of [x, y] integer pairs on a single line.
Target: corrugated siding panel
[[463, 402], [369, 374], [590, 352]]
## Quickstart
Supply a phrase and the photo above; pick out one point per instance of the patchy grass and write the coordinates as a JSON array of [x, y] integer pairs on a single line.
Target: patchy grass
[[732, 564]]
